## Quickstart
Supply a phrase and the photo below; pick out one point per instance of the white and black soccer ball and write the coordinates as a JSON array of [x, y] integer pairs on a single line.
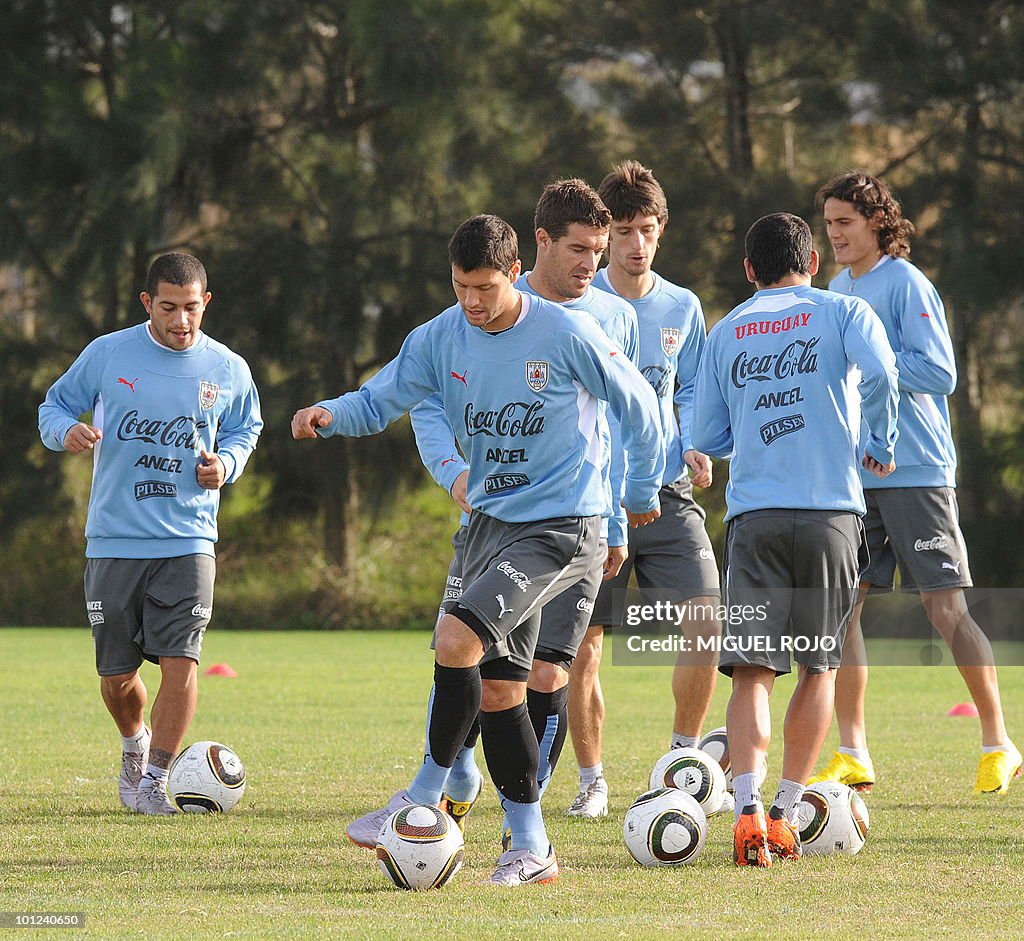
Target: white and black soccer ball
[[832, 818], [206, 778], [716, 744], [420, 847], [693, 771], [665, 827]]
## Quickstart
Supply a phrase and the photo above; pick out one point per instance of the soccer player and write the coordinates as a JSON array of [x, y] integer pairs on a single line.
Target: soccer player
[[912, 518], [571, 233], [175, 416], [519, 373], [776, 390], [673, 556]]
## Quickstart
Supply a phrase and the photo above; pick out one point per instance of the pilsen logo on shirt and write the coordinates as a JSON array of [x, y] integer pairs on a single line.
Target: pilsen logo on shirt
[[670, 340], [536, 375], [208, 393]]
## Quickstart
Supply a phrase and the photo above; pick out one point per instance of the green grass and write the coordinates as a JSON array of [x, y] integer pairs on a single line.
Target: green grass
[[329, 724]]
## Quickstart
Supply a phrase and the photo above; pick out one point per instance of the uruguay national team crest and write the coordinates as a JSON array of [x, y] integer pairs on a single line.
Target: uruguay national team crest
[[208, 392], [670, 339], [536, 375]]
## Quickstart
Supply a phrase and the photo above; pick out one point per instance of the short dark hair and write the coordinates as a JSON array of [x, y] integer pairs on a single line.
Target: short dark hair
[[632, 190], [777, 245], [484, 241], [567, 201], [178, 268], [869, 196]]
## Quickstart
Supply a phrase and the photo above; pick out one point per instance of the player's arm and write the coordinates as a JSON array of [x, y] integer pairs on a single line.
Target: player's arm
[[67, 399], [237, 434], [867, 348], [711, 428], [439, 451], [688, 359], [925, 359], [404, 382], [618, 522], [608, 374]]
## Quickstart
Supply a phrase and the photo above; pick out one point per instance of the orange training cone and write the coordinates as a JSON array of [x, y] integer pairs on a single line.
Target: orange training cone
[[964, 709], [222, 669]]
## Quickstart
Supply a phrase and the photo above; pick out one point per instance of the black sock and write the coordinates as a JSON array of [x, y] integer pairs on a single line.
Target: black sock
[[510, 747], [474, 733], [456, 704], [549, 713]]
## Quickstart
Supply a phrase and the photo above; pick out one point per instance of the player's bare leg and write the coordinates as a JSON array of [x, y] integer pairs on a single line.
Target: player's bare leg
[[1000, 760], [696, 670], [173, 711], [749, 721], [586, 724], [808, 718], [124, 695]]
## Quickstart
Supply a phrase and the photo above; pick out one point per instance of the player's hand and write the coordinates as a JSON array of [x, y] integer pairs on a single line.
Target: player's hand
[[211, 473], [700, 468], [306, 421], [81, 437], [877, 468], [614, 561], [642, 519], [459, 492]]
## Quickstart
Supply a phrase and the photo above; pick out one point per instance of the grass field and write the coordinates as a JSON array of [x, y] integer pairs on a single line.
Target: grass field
[[330, 724]]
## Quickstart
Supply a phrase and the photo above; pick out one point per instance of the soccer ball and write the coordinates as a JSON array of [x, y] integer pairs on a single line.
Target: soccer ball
[[832, 819], [206, 778], [716, 744], [420, 847], [665, 827], [693, 771]]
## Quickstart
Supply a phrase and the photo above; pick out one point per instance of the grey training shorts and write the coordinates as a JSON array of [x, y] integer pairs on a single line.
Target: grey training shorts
[[511, 570], [918, 529], [147, 609], [790, 584], [672, 556]]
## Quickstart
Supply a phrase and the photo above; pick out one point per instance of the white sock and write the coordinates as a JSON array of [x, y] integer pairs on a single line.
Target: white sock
[[589, 775], [133, 743], [788, 796], [861, 754], [747, 791], [156, 773], [988, 749], [683, 741]]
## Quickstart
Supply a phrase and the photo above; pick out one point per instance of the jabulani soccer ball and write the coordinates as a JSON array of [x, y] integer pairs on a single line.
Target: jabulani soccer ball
[[716, 744], [419, 847], [832, 819], [206, 778], [693, 771], [665, 827]]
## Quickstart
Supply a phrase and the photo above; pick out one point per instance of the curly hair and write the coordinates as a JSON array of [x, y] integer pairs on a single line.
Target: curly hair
[[871, 196]]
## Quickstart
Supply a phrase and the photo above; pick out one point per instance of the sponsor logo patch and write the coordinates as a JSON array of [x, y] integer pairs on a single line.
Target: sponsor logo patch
[[507, 456], [926, 545], [952, 566], [785, 399], [180, 432], [208, 392], [498, 483], [146, 489], [502, 610], [778, 427], [513, 419], [706, 554], [95, 609], [520, 579], [172, 465], [660, 379], [585, 605], [796, 359], [536, 375], [199, 610]]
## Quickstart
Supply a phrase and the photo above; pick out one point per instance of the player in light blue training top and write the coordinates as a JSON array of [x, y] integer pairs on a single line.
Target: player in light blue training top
[[672, 558], [571, 232], [912, 517], [780, 390], [175, 416], [517, 373]]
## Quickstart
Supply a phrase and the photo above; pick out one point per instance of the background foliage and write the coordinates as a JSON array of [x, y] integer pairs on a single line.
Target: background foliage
[[317, 155]]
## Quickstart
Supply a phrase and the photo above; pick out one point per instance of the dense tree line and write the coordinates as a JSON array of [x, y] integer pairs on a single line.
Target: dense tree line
[[317, 155]]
